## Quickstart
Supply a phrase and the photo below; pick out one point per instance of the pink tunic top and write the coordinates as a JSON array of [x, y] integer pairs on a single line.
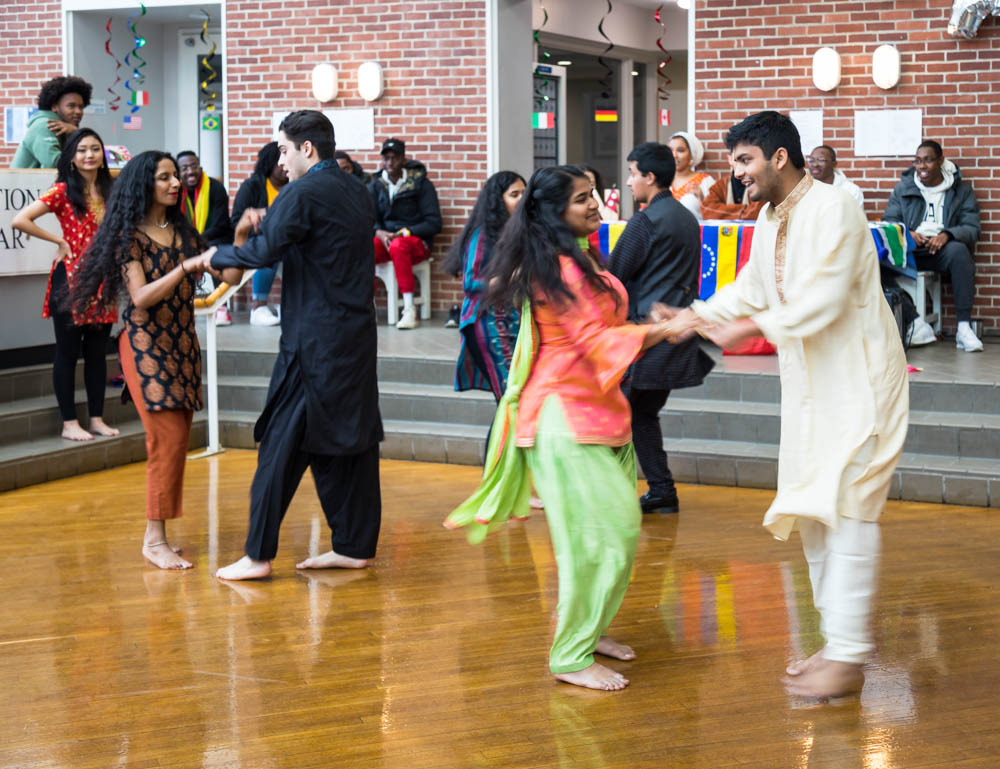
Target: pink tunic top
[[585, 347]]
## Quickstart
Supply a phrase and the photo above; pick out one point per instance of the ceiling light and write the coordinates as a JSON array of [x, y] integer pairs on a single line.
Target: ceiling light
[[635, 73], [564, 62]]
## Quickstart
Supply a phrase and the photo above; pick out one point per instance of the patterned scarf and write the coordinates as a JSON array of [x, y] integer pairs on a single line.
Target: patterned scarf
[[197, 211], [783, 211]]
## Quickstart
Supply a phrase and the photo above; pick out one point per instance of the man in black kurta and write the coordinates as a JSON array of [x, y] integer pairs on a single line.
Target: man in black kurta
[[322, 404], [657, 258]]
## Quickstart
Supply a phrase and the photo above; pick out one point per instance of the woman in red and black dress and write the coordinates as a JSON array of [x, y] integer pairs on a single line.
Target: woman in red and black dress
[[146, 249], [77, 199]]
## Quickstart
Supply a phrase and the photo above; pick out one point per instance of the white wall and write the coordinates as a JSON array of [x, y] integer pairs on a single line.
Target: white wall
[[628, 26]]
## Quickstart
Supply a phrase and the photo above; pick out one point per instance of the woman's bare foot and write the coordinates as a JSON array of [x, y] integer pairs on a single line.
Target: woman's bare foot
[[826, 679], [804, 666], [536, 503], [611, 648], [100, 427], [72, 431], [332, 560], [595, 677], [163, 556], [245, 568]]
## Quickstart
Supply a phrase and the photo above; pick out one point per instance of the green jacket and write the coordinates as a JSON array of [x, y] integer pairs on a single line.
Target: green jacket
[[40, 147]]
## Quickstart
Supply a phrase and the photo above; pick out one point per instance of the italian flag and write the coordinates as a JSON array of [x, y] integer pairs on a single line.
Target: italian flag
[[543, 120], [140, 98]]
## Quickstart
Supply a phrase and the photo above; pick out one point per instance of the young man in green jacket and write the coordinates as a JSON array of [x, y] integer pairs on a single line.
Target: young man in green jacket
[[60, 109]]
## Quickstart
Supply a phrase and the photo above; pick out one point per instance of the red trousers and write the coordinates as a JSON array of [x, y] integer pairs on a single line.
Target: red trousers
[[167, 436], [404, 251]]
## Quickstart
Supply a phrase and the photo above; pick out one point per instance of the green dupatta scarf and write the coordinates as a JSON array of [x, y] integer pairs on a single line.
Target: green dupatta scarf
[[505, 488]]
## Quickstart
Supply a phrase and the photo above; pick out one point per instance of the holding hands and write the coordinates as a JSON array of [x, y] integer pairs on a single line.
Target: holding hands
[[679, 325], [200, 263]]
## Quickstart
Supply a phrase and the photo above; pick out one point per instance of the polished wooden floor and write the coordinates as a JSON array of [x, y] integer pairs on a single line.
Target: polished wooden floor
[[436, 657]]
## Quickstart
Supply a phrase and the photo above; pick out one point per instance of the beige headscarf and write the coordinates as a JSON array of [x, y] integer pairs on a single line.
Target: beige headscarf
[[697, 151]]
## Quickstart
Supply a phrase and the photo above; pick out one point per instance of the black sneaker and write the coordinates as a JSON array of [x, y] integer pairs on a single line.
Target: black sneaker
[[453, 315], [654, 503]]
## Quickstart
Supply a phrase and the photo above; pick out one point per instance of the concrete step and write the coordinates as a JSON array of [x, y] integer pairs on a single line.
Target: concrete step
[[38, 417], [36, 381]]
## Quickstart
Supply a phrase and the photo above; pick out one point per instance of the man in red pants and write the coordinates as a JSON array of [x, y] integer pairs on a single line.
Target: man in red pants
[[407, 217]]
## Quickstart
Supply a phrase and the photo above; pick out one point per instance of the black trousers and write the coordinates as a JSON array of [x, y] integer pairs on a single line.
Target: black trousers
[[347, 486], [956, 260], [647, 437], [92, 339]]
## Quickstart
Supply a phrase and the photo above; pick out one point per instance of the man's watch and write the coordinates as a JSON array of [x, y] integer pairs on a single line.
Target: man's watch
[[404, 231]]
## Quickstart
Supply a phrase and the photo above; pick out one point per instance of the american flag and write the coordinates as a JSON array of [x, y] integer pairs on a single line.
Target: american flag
[[132, 122]]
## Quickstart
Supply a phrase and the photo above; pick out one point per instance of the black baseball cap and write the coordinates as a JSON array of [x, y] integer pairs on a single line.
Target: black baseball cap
[[394, 145]]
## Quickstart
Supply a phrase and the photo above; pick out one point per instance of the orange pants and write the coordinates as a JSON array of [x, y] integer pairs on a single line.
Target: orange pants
[[167, 437]]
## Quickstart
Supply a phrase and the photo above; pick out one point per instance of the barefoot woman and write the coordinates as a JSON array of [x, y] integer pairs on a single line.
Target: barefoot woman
[[77, 200], [146, 247], [570, 423]]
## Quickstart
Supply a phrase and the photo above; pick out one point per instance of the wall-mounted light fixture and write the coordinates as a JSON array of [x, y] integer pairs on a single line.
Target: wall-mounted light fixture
[[324, 82], [826, 69], [886, 66], [371, 82]]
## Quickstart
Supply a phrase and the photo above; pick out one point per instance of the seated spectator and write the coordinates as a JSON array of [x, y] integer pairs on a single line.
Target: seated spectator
[[690, 186], [60, 109], [608, 214], [205, 203], [259, 191], [822, 163], [940, 210], [728, 199], [407, 217], [352, 166]]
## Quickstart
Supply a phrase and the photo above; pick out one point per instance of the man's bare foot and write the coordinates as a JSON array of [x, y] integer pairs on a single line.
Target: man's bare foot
[[245, 568], [73, 432], [595, 677], [162, 555], [827, 679], [804, 666], [611, 648], [100, 427], [332, 560]]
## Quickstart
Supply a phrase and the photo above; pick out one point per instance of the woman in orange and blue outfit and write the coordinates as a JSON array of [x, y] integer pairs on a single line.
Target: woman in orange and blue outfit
[[563, 419]]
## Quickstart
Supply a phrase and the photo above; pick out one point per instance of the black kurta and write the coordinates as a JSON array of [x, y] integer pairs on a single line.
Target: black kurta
[[320, 228]]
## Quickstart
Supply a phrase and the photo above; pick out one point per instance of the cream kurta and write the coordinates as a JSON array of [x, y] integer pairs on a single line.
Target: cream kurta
[[815, 292]]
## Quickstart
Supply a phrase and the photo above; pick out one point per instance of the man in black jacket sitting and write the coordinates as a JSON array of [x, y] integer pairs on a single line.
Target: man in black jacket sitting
[[940, 210], [658, 258], [407, 217]]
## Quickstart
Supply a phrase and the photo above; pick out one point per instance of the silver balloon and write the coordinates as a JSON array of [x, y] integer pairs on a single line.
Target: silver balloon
[[967, 15]]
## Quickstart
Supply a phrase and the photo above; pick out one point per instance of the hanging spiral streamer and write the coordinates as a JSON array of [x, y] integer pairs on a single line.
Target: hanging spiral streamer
[[661, 88], [544, 56], [605, 82], [209, 95], [113, 102], [137, 98]]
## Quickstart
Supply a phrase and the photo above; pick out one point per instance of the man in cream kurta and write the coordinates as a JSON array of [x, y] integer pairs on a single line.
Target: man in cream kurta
[[812, 288]]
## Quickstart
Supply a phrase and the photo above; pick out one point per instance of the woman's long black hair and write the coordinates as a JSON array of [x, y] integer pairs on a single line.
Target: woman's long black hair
[[525, 259], [488, 215], [76, 185], [102, 271], [267, 159]]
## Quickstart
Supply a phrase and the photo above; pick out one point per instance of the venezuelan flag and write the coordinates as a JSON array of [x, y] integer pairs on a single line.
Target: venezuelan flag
[[709, 260], [729, 246], [746, 240], [606, 238]]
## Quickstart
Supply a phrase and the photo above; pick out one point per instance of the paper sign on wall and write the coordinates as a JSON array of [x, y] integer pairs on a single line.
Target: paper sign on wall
[[353, 129], [810, 125], [16, 123], [890, 132]]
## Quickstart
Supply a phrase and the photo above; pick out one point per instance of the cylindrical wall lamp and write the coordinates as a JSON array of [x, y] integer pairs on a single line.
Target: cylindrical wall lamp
[[826, 69], [324, 82], [886, 66], [371, 82]]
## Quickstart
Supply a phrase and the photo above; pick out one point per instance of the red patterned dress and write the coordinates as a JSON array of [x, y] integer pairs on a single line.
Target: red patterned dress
[[78, 232]]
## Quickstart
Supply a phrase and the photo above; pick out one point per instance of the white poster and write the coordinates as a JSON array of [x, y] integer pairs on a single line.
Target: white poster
[[16, 123], [353, 129], [810, 125], [19, 254], [882, 132]]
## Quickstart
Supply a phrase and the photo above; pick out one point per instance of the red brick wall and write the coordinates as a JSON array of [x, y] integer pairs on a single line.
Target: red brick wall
[[757, 54], [434, 59]]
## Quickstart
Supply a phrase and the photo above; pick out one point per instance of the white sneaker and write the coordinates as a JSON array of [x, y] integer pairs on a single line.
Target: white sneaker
[[409, 318], [222, 317], [966, 339], [262, 316], [921, 332]]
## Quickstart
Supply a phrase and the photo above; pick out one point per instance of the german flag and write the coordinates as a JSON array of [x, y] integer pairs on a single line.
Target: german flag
[[605, 116]]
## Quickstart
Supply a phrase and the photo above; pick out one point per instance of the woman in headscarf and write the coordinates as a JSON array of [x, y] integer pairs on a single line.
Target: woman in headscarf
[[689, 185]]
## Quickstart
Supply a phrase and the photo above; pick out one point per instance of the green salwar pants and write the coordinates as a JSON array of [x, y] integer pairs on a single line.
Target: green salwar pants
[[593, 514]]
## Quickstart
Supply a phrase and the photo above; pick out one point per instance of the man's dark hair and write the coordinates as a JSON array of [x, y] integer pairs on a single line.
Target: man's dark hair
[[933, 145], [58, 87], [186, 153], [309, 125], [768, 130], [657, 159], [828, 148]]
